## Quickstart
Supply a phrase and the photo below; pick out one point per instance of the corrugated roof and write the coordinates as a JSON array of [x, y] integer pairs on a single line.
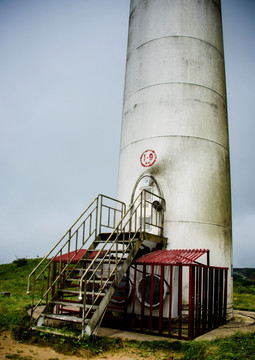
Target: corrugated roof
[[78, 256], [169, 257]]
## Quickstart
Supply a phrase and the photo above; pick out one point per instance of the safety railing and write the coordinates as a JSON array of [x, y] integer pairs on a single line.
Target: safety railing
[[178, 301], [145, 214], [102, 215]]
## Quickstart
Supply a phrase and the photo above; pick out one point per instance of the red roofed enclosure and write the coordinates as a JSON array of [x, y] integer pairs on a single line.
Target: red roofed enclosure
[[156, 305]]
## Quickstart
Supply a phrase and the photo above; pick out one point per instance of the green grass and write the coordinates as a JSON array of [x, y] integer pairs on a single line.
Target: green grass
[[13, 279], [244, 296], [238, 346]]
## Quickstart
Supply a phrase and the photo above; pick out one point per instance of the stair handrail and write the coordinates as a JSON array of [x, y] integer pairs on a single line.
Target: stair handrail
[[118, 230], [55, 246], [95, 206]]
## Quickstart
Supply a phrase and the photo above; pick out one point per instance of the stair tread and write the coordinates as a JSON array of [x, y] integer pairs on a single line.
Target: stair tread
[[104, 279], [68, 291], [67, 303], [107, 261], [56, 331], [73, 279], [77, 292], [120, 242], [105, 236], [95, 293], [90, 282], [64, 317]]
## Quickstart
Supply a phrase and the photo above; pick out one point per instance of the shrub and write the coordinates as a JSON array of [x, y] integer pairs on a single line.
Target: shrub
[[20, 262]]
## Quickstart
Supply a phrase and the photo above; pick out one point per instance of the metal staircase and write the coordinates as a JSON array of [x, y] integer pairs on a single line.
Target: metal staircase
[[78, 278]]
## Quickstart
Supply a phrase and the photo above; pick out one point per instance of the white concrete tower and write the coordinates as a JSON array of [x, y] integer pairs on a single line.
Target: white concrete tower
[[174, 126]]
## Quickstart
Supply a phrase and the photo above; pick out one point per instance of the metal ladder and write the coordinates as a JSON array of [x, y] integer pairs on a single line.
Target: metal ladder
[[76, 284]]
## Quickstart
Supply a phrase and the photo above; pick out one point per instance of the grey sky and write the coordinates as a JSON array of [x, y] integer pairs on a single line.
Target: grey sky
[[62, 67]]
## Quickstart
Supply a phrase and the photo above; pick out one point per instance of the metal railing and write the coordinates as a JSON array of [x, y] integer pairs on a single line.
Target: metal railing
[[146, 214], [101, 215], [187, 300]]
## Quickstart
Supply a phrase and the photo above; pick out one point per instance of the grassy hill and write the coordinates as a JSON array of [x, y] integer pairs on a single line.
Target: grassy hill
[[244, 276], [244, 288], [13, 280]]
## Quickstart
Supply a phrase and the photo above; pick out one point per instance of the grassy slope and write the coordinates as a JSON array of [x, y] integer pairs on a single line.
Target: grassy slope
[[13, 278], [244, 289]]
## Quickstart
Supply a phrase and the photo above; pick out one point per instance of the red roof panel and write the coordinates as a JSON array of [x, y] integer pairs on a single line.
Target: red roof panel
[[78, 256], [169, 257]]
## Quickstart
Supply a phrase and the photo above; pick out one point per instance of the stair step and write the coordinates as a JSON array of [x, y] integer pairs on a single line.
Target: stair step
[[77, 292], [106, 262], [125, 235], [64, 318], [120, 242], [55, 331], [71, 292], [74, 279], [92, 281], [67, 303], [102, 281], [91, 293]]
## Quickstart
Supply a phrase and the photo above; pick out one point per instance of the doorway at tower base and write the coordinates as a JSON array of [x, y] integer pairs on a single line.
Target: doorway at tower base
[[170, 293]]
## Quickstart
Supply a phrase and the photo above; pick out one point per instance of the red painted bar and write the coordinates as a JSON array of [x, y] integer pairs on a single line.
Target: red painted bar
[[204, 301], [210, 299], [133, 300], [191, 297], [161, 297], [151, 297], [199, 299], [170, 298], [220, 295], [180, 300], [225, 294], [216, 298], [143, 296], [196, 301]]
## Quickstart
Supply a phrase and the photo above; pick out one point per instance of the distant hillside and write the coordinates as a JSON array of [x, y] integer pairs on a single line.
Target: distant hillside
[[244, 276]]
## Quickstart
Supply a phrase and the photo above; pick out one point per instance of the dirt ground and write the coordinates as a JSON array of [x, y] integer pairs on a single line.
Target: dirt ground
[[10, 349]]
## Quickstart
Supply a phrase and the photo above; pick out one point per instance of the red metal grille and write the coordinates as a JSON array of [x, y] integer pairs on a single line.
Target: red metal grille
[[203, 309], [171, 257]]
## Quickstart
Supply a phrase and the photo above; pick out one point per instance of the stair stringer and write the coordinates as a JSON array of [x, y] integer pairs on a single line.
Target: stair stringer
[[97, 317]]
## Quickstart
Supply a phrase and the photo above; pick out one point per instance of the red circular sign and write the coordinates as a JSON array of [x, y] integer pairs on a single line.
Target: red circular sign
[[148, 158]]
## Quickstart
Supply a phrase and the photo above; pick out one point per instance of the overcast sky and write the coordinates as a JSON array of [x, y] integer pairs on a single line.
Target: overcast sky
[[62, 66]]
